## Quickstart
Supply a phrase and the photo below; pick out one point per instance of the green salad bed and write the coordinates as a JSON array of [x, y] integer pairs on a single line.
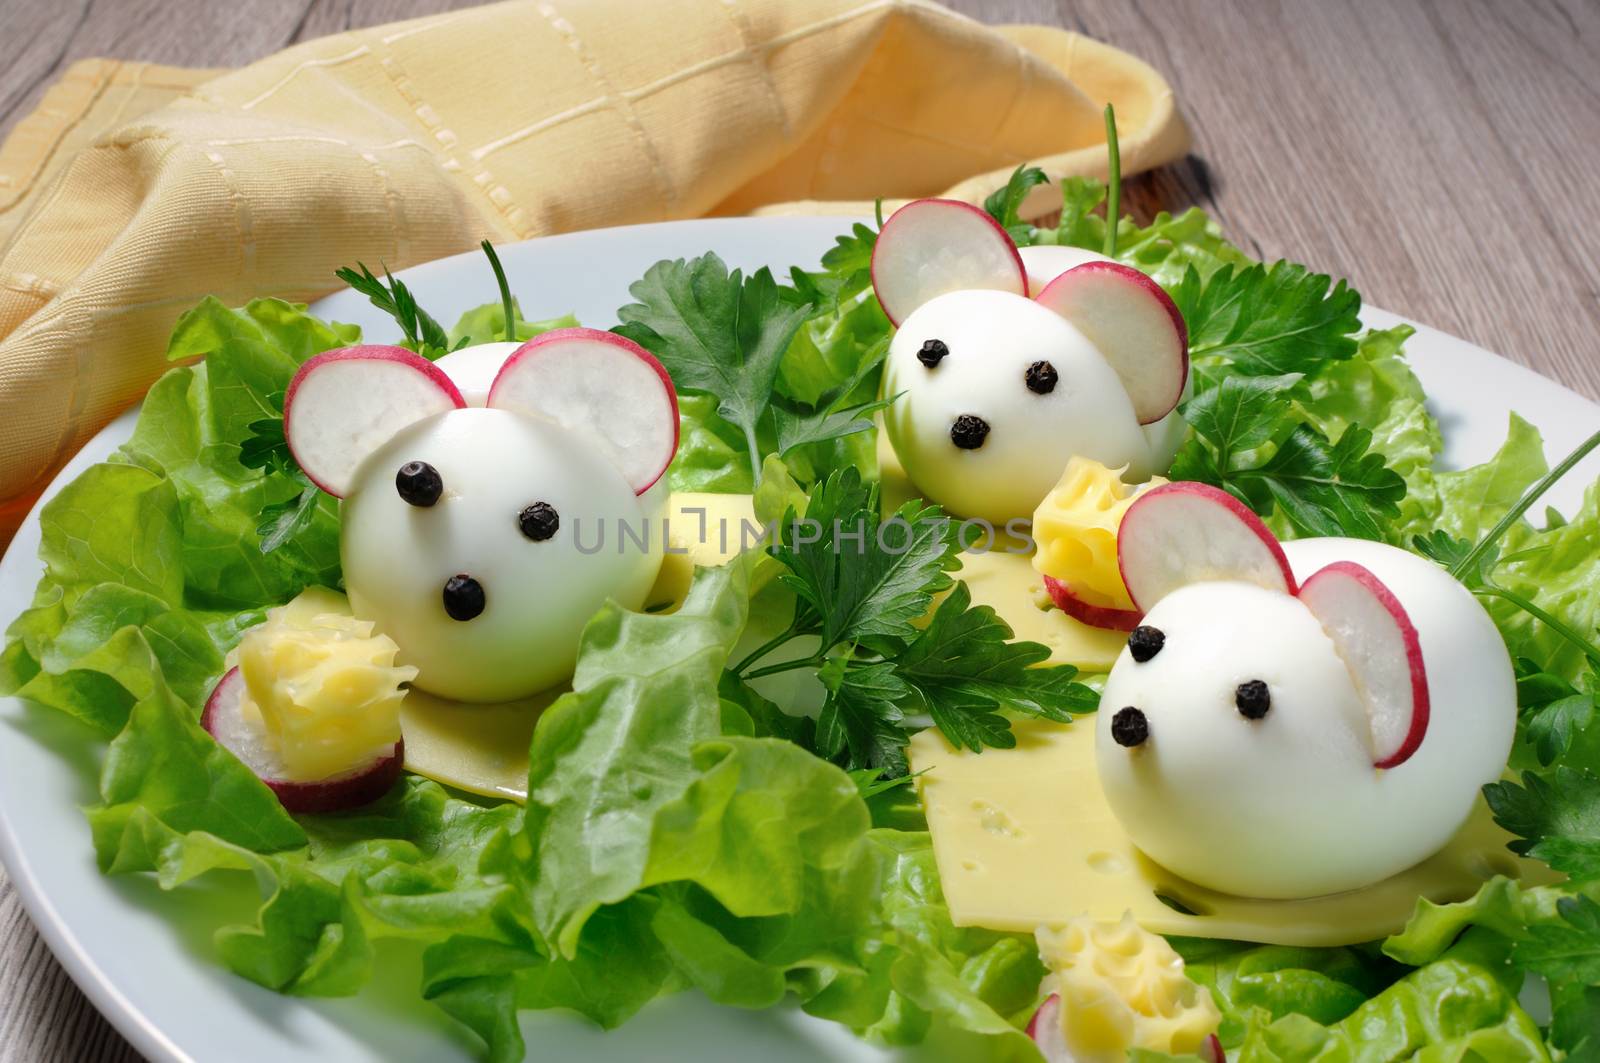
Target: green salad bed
[[682, 832]]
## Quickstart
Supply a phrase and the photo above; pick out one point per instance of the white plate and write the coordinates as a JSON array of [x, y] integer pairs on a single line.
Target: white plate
[[145, 957]]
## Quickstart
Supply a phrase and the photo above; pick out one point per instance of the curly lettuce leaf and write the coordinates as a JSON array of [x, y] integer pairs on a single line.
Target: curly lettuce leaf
[[487, 324]]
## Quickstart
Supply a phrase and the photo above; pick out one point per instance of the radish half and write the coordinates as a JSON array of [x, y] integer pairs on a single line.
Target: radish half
[[1102, 616], [600, 384], [343, 405], [1045, 1029], [1186, 532], [931, 247], [1378, 643], [1134, 324], [245, 739]]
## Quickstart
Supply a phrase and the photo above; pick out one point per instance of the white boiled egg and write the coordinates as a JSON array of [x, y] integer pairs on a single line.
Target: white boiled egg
[[1045, 262], [536, 593], [981, 430], [473, 369], [1289, 804]]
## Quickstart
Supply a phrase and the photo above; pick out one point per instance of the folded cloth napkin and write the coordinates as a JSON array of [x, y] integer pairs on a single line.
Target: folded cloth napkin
[[135, 190]]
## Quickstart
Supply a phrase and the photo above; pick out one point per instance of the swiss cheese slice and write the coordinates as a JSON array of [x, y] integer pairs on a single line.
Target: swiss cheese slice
[[999, 572], [1024, 837]]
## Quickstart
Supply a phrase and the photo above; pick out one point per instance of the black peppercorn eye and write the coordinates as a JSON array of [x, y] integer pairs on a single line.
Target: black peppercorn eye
[[419, 484], [1041, 378], [1253, 699], [932, 353], [539, 521], [1129, 728], [968, 432], [463, 597], [1144, 642]]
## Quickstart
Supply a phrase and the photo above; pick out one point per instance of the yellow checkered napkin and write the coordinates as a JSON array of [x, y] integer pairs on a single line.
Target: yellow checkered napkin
[[135, 190]]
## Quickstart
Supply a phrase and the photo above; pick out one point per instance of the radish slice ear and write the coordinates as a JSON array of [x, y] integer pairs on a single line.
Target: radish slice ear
[[934, 246], [1181, 533], [1134, 324], [602, 385], [1045, 1029], [1378, 644], [343, 405]]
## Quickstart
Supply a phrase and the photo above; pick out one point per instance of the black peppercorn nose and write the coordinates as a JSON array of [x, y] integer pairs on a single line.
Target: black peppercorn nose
[[932, 353], [1041, 378], [539, 521], [419, 484], [1129, 728], [1144, 642], [969, 432], [1252, 699], [463, 597]]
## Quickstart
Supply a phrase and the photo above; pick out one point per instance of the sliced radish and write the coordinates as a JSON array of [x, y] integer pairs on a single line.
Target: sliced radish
[[1187, 532], [343, 405], [1045, 1029], [1134, 324], [600, 384], [1046, 262], [1211, 1050], [934, 246], [1377, 642], [246, 739], [1103, 616]]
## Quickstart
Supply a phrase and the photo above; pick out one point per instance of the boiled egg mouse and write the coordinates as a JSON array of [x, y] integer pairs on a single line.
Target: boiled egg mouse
[[997, 390], [481, 535], [1299, 719]]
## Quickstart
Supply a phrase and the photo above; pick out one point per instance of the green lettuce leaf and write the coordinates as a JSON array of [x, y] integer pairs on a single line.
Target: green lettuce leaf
[[487, 324]]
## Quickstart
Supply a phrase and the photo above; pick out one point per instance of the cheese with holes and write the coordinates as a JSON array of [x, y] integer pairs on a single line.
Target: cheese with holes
[[1024, 837], [1075, 528]]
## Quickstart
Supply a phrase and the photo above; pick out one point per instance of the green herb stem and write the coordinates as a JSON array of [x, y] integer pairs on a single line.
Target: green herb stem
[[765, 648], [1527, 500], [1113, 183], [1555, 624], [505, 291], [812, 662]]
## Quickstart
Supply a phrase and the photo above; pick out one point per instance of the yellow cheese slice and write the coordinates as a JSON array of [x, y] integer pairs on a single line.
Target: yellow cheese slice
[[1023, 837], [483, 749], [1006, 581]]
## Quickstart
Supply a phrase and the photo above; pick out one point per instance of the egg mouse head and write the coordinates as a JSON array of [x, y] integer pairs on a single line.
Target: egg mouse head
[[1245, 732], [481, 539], [1008, 363]]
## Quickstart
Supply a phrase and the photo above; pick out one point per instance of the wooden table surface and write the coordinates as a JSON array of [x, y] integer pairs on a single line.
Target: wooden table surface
[[1444, 155]]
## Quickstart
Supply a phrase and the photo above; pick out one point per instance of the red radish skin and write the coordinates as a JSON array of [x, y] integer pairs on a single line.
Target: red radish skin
[[1045, 1030], [1154, 377], [1102, 616], [525, 360], [896, 258], [333, 477], [1348, 575], [340, 793], [1211, 1050], [1142, 544]]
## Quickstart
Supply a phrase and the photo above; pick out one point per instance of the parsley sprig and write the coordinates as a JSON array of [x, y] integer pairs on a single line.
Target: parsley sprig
[[864, 587], [422, 333], [723, 333]]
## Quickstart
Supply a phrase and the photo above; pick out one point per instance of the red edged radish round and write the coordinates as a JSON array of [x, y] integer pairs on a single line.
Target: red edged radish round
[[344, 404], [1185, 532], [1211, 1050], [602, 385], [1378, 643], [244, 735], [1134, 324], [1045, 1029], [931, 247], [1045, 262], [1101, 616]]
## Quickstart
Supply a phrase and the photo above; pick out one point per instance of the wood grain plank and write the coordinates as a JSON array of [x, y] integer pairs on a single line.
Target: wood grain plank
[[1443, 154]]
